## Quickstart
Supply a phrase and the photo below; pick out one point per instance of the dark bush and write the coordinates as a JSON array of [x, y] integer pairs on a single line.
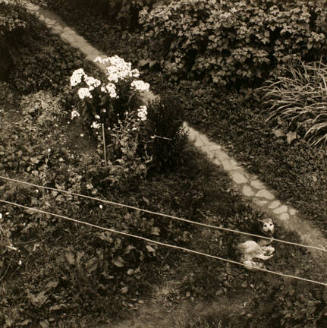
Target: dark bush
[[14, 21], [165, 119], [124, 12], [233, 41]]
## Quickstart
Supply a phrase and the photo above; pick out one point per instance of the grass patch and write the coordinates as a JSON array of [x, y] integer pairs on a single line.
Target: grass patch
[[298, 98]]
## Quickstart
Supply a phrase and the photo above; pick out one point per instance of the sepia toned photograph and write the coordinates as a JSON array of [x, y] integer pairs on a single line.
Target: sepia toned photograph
[[163, 163]]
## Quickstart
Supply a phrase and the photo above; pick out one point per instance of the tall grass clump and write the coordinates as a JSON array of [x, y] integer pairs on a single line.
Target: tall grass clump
[[298, 97]]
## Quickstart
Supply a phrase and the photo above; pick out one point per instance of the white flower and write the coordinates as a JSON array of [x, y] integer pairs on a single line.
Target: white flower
[[110, 88], [92, 82], [97, 116], [135, 73], [95, 125], [74, 114], [77, 76], [115, 73], [142, 113], [0, 215], [118, 68], [140, 85], [84, 92], [101, 60]]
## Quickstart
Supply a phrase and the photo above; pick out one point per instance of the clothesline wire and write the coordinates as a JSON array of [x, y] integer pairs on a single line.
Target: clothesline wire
[[126, 234], [205, 225]]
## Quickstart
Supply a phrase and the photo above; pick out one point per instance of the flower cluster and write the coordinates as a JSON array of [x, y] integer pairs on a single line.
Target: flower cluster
[[92, 82], [119, 74], [84, 93], [142, 113], [118, 68], [74, 114], [140, 85], [95, 125], [110, 88], [77, 77]]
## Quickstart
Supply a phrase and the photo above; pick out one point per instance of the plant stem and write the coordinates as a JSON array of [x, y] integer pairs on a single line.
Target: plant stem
[[104, 145]]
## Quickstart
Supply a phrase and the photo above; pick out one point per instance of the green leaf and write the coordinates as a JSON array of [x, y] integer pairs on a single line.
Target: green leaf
[[51, 284], [150, 249], [155, 231], [44, 324], [37, 300], [278, 133], [92, 265], [291, 136], [124, 290], [118, 262], [70, 258], [25, 322]]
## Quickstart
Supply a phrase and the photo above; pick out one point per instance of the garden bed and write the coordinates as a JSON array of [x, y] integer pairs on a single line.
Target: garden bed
[[296, 171], [67, 275]]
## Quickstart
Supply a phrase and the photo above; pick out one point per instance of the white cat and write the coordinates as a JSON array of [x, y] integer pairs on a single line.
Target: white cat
[[252, 250]]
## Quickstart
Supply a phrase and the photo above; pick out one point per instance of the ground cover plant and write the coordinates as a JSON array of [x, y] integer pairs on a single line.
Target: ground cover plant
[[62, 270], [65, 270], [79, 263]]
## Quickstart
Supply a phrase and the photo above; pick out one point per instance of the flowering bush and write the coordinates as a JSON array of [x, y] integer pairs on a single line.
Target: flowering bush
[[116, 112]]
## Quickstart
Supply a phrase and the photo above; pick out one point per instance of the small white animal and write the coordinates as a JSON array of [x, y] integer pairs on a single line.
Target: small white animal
[[252, 250]]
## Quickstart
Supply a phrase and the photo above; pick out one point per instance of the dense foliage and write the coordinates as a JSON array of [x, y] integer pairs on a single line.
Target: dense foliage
[[12, 17], [14, 24], [92, 269], [232, 41]]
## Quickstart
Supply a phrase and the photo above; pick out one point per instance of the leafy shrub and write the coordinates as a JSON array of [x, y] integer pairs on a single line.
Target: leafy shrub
[[232, 41], [165, 117], [12, 17], [298, 97], [42, 108], [132, 126], [14, 22]]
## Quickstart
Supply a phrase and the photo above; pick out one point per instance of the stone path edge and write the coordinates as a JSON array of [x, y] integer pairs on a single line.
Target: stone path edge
[[249, 185]]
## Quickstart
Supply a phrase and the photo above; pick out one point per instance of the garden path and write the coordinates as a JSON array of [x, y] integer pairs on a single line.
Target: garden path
[[260, 196]]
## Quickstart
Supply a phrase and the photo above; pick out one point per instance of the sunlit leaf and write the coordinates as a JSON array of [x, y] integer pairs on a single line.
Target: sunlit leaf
[[278, 133], [118, 262], [291, 136], [70, 258]]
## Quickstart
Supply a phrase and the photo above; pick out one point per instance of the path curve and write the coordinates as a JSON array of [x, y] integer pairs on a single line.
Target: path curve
[[249, 185]]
